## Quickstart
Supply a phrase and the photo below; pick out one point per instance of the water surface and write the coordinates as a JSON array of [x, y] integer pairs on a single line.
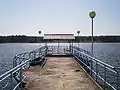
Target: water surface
[[106, 52]]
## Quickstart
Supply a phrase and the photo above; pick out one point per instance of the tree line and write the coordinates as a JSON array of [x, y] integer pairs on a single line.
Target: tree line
[[35, 39]]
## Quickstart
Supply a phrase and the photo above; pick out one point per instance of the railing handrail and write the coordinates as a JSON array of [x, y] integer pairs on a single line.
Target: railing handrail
[[97, 60], [100, 61], [13, 69], [28, 51]]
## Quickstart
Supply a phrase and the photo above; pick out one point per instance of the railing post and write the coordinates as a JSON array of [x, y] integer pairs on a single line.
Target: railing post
[[72, 50], [46, 49], [96, 70], [24, 58], [70, 47], [19, 61], [29, 60], [21, 78], [11, 81], [117, 79], [104, 77], [91, 66], [14, 62], [39, 51], [35, 57]]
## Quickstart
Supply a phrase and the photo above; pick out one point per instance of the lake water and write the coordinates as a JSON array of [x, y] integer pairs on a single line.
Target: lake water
[[106, 52]]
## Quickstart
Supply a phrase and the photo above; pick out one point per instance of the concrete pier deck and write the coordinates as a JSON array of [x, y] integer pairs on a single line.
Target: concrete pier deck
[[59, 74]]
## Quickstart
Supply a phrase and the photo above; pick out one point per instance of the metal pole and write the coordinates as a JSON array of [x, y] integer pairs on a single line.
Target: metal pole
[[58, 45], [21, 77], [92, 48], [11, 81], [96, 70], [40, 42], [104, 77], [92, 38], [117, 80]]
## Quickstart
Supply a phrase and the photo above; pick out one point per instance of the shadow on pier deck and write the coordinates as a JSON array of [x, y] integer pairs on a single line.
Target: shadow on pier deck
[[59, 73]]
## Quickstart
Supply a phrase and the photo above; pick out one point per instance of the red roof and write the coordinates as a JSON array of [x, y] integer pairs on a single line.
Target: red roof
[[59, 36]]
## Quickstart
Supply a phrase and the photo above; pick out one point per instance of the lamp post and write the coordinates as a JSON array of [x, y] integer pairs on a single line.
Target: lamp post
[[78, 32], [92, 14], [39, 34]]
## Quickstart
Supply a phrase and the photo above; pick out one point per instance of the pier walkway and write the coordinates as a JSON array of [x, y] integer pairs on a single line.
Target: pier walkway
[[59, 73]]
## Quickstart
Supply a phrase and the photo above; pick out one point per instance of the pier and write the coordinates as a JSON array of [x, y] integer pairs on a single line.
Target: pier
[[57, 67]]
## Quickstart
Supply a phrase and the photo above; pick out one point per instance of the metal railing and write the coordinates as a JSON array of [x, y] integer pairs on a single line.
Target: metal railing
[[104, 74], [58, 49], [13, 79], [32, 55]]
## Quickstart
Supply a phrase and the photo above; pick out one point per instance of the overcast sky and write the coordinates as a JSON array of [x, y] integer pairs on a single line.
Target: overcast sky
[[27, 17]]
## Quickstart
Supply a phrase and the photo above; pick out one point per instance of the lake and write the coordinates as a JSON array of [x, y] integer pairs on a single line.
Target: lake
[[106, 52]]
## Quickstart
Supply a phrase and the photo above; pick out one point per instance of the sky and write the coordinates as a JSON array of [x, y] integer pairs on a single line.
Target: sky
[[27, 17]]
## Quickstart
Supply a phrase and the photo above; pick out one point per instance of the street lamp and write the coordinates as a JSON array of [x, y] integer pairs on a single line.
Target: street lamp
[[92, 14], [78, 32], [40, 34]]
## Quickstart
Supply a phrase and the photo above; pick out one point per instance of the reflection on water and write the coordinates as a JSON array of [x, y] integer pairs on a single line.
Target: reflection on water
[[107, 52]]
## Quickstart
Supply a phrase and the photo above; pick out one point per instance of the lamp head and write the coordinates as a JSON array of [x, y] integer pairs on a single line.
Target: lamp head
[[92, 14]]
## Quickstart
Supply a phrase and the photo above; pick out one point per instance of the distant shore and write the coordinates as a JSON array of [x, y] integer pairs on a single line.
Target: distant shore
[[80, 39]]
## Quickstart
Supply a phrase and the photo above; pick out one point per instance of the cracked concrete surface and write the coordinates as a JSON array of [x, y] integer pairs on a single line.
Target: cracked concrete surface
[[59, 74]]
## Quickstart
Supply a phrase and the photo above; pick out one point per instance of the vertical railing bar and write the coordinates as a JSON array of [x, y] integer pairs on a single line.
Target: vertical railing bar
[[96, 70], [24, 56], [29, 59], [117, 80], [11, 80], [34, 58], [104, 77], [21, 78], [91, 66], [39, 51]]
